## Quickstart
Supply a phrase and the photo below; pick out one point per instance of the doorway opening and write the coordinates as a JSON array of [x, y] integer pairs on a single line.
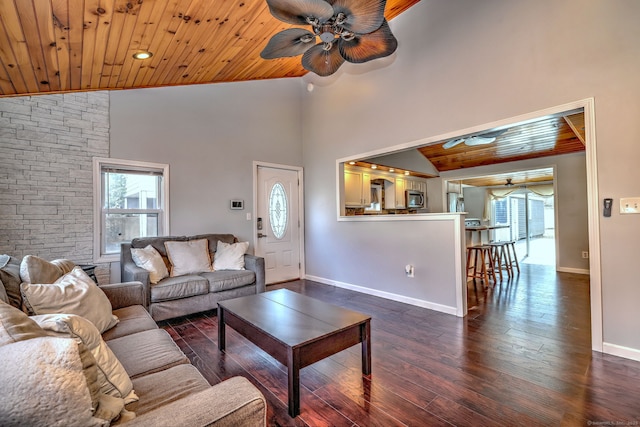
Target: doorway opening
[[531, 220]]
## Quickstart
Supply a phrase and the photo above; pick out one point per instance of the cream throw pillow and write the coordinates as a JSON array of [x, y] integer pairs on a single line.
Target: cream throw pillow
[[73, 293], [230, 256], [149, 259], [112, 377], [45, 383], [188, 257], [38, 270]]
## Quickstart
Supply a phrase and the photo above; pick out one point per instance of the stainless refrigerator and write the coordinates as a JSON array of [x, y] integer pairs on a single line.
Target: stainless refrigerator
[[455, 202]]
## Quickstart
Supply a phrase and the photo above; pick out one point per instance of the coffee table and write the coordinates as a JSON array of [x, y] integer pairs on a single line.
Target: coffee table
[[296, 330]]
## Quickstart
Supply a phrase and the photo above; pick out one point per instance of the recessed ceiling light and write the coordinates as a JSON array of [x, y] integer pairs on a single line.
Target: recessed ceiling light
[[392, 170], [374, 166], [352, 163], [142, 55], [406, 172]]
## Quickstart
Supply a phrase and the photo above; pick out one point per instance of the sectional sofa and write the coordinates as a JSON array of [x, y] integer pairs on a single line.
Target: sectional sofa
[[170, 391]]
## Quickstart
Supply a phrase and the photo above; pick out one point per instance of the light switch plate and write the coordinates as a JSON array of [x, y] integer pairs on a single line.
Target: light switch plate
[[630, 205]]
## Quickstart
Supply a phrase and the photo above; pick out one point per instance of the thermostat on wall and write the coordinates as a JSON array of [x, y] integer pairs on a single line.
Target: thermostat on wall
[[237, 204]]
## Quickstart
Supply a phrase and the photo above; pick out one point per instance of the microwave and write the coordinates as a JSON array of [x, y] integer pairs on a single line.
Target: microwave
[[414, 199]]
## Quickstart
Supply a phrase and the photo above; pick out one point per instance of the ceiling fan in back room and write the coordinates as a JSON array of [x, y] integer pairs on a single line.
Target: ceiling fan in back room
[[473, 140], [349, 30]]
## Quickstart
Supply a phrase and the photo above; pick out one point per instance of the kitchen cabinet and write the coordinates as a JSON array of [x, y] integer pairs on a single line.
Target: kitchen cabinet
[[400, 187], [357, 188]]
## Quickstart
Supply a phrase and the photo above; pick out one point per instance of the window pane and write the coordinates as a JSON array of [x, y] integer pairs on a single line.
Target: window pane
[[278, 210], [131, 191], [122, 228]]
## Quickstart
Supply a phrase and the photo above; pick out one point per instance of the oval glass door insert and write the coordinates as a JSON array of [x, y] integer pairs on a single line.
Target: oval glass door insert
[[278, 210]]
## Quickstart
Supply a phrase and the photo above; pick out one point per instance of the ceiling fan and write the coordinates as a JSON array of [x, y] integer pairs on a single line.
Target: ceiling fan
[[509, 183], [473, 140], [349, 30]]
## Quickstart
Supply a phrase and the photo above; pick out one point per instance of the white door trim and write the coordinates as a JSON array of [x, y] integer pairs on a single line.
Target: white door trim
[[299, 170]]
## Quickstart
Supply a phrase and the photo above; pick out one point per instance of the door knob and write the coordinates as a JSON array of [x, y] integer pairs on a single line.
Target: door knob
[[260, 235]]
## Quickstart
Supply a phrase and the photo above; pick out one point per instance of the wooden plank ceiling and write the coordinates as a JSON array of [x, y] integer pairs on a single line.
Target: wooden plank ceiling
[[550, 136], [52, 46]]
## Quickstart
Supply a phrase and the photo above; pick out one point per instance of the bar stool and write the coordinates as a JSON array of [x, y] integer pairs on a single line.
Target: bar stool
[[512, 257], [501, 258], [483, 265]]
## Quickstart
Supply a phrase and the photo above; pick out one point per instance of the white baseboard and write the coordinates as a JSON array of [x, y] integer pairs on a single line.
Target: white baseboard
[[388, 295], [572, 270], [618, 350]]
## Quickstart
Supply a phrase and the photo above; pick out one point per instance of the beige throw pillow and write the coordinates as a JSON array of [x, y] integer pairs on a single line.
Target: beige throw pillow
[[50, 384], [188, 257], [73, 293], [149, 259], [230, 256], [38, 270], [112, 377]]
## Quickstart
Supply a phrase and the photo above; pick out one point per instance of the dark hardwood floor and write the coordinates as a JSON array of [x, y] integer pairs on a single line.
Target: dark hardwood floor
[[521, 357]]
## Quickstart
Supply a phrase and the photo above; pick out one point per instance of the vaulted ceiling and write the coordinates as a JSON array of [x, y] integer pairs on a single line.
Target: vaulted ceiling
[[548, 136], [49, 46]]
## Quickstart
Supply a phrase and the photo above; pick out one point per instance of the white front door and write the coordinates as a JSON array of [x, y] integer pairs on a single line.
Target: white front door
[[278, 222]]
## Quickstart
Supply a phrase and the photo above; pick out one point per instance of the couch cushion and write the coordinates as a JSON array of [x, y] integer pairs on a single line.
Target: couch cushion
[[132, 319], [10, 276], [147, 352], [166, 386], [223, 280], [179, 287]]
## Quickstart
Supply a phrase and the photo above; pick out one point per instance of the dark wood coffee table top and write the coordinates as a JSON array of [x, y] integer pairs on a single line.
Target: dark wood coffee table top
[[294, 319], [296, 330]]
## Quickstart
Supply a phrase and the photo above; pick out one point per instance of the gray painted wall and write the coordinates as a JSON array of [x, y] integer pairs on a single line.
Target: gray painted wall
[[465, 63], [209, 135]]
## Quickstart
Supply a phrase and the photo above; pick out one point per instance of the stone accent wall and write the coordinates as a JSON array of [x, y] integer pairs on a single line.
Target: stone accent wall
[[47, 143]]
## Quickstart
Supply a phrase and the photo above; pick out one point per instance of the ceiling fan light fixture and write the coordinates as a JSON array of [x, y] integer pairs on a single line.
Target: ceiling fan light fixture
[[452, 143], [349, 30], [478, 140]]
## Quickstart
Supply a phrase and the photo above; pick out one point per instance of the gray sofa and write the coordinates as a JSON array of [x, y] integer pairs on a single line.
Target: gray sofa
[[193, 293], [171, 391]]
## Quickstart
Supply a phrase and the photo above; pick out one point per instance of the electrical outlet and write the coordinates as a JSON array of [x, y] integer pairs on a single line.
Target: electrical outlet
[[585, 254], [408, 269], [630, 205]]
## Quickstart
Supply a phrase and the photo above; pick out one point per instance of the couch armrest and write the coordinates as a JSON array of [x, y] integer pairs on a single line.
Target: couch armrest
[[256, 264], [125, 294], [232, 403]]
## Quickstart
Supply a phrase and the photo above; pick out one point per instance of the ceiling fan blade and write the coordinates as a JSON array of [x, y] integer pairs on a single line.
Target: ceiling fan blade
[[362, 16], [297, 11], [322, 62], [452, 143], [365, 47], [478, 140], [291, 42]]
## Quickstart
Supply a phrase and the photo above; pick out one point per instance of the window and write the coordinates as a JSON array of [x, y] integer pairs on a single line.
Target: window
[[278, 210], [131, 200]]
